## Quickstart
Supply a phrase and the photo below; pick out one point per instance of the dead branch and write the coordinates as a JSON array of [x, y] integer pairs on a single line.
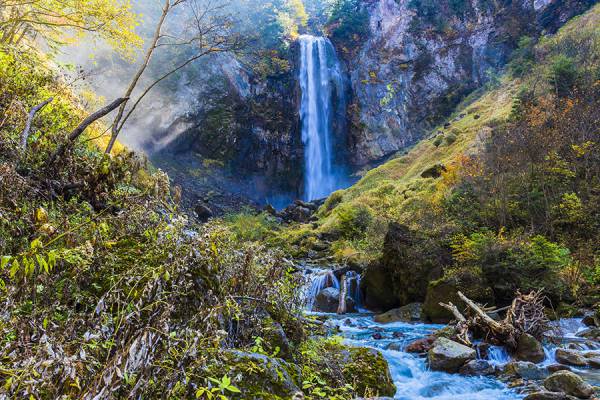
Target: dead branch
[[486, 318], [524, 315], [454, 310], [32, 112], [462, 325]]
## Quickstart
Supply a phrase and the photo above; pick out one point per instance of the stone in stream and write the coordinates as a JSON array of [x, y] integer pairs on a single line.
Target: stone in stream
[[409, 313], [590, 333], [525, 369], [549, 396], [529, 349], [569, 383], [557, 367], [420, 345], [571, 357], [447, 355], [593, 362], [591, 320], [328, 300], [477, 368]]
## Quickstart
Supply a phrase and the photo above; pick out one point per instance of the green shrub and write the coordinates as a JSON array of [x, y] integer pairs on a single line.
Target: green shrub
[[438, 140], [349, 20], [353, 220], [562, 74], [523, 57], [450, 138], [333, 200], [248, 226]]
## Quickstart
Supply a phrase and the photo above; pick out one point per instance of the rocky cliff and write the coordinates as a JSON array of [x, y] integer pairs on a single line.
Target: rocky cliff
[[244, 123], [421, 58], [416, 60]]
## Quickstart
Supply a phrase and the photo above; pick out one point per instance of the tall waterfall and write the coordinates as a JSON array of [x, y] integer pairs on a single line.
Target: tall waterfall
[[321, 82]]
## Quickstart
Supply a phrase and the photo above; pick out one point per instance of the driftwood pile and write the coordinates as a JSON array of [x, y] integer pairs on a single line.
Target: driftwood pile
[[524, 315]]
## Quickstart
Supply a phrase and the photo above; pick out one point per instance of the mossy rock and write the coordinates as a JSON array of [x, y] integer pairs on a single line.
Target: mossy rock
[[258, 376], [339, 367], [367, 371], [446, 289]]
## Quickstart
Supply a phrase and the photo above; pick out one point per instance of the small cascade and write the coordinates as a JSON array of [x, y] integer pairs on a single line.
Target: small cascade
[[498, 355], [353, 279], [322, 88], [318, 280], [412, 377]]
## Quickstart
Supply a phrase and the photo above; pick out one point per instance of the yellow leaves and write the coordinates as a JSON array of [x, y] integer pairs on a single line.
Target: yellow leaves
[[583, 149], [40, 216], [61, 22]]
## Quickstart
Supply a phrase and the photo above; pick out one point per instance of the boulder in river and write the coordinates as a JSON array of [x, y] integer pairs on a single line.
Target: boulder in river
[[422, 345], [525, 369], [569, 383], [591, 320], [447, 355], [408, 313], [529, 349], [548, 396], [590, 333], [570, 357], [477, 368], [328, 300], [557, 367]]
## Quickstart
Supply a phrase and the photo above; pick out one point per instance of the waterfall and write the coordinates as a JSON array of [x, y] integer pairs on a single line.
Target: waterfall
[[318, 280], [353, 279], [320, 80]]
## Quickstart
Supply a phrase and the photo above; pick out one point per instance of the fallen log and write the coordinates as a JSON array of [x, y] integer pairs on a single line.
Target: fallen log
[[524, 315]]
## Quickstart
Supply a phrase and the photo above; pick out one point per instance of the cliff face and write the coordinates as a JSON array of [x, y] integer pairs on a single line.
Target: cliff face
[[417, 60], [418, 63], [245, 124]]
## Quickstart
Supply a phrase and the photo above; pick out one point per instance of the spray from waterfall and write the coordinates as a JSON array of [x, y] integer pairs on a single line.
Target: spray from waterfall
[[321, 82]]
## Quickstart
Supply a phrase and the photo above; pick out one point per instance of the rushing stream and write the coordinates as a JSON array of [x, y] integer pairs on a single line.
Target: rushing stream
[[412, 377], [320, 80]]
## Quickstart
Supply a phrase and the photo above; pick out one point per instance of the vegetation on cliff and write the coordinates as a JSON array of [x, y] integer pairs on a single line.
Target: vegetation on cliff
[[506, 192]]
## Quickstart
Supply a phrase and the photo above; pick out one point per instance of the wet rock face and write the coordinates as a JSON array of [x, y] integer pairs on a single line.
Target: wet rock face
[[530, 349], [328, 300], [449, 356], [248, 124], [570, 384], [414, 68]]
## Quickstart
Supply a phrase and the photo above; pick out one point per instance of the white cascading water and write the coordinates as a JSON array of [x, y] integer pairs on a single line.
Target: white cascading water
[[320, 80], [318, 280]]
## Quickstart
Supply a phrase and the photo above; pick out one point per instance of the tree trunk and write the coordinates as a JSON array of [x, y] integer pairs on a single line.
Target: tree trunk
[[157, 34], [343, 292]]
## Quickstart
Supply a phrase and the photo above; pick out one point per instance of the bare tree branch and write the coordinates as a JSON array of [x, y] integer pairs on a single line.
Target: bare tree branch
[[34, 110]]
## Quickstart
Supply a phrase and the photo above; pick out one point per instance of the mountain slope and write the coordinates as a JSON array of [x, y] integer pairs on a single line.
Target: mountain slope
[[513, 173]]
